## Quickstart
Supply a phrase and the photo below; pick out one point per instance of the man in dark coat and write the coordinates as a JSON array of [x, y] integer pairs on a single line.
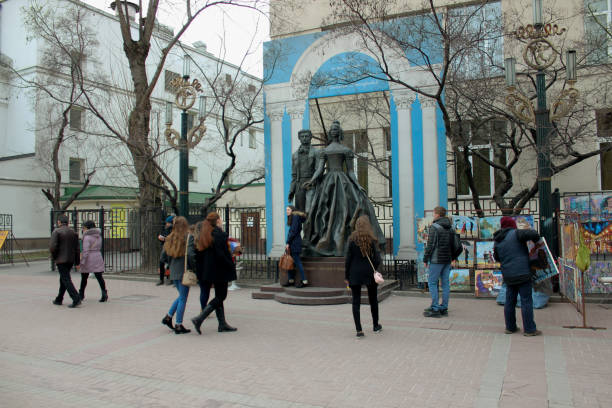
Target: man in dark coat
[[510, 249], [303, 166], [438, 256], [65, 252]]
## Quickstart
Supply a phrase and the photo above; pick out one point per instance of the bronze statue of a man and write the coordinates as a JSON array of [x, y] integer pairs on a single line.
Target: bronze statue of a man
[[303, 166]]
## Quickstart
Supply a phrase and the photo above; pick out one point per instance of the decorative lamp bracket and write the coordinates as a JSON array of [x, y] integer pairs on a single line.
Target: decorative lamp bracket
[[520, 105]]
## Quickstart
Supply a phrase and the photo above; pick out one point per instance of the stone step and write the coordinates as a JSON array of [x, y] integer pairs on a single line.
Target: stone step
[[262, 295], [275, 287], [315, 292], [311, 301]]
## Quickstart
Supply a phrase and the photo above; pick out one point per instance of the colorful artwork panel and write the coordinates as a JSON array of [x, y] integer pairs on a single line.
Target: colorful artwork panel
[[459, 279], [487, 226], [594, 207], [422, 274], [524, 221], [488, 283], [570, 240], [484, 255], [592, 275], [466, 259], [541, 258], [423, 225], [466, 227], [567, 282], [597, 235]]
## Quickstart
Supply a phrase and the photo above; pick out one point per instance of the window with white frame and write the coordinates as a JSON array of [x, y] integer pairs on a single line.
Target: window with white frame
[[252, 139], [75, 169], [192, 173], [486, 139], [598, 16], [357, 141], [76, 118], [604, 134]]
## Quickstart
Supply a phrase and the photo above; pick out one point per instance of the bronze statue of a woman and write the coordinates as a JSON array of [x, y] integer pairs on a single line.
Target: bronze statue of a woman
[[337, 202]]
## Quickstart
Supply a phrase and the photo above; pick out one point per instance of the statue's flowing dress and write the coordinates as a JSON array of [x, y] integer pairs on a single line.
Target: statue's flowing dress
[[336, 204]]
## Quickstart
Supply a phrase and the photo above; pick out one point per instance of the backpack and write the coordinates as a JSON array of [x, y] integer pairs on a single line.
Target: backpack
[[454, 240]]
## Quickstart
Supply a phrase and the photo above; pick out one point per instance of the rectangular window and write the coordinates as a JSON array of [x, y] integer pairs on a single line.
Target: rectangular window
[[228, 79], [76, 119], [598, 16], [485, 138], [192, 174], [252, 140], [604, 133], [190, 120], [168, 77], [75, 172]]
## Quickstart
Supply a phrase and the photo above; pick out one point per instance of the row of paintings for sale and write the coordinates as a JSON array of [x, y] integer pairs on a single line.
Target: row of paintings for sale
[[472, 227], [487, 282], [589, 207], [479, 254]]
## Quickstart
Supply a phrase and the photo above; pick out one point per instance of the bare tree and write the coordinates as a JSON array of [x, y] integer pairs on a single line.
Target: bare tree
[[137, 44], [459, 50]]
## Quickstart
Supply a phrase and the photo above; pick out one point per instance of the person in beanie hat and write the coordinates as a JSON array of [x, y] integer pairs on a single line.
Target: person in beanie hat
[[162, 238], [510, 249]]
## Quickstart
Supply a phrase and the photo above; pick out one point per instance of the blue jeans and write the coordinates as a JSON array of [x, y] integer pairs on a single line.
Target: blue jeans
[[180, 302], [437, 272], [512, 291], [298, 265]]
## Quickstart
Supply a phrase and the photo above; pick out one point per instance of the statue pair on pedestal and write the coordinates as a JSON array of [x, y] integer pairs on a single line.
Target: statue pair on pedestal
[[324, 186]]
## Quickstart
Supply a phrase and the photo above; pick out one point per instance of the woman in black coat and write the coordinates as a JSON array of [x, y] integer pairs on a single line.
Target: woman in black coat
[[214, 266], [358, 269], [295, 219]]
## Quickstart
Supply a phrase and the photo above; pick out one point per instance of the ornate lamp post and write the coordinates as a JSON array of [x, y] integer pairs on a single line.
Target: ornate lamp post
[[539, 54], [185, 98]]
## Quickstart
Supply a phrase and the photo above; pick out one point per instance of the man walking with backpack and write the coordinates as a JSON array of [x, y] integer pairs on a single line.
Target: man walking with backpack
[[440, 251]]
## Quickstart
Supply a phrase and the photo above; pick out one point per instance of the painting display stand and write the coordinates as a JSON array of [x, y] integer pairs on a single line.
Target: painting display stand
[[569, 273]]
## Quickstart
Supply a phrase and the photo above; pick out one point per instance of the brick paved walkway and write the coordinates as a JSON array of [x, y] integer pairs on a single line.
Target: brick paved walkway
[[119, 355]]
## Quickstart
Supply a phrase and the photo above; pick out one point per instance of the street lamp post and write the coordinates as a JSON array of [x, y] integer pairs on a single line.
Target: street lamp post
[[188, 138], [539, 54]]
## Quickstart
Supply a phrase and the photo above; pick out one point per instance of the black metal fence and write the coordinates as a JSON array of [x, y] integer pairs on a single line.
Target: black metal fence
[[129, 236], [6, 235]]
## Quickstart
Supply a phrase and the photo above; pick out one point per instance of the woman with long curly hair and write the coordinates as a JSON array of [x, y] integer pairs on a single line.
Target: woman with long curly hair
[[362, 254], [174, 254], [214, 266]]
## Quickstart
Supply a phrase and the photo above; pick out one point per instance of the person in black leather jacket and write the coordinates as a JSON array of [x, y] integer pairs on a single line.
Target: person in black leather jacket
[[510, 249]]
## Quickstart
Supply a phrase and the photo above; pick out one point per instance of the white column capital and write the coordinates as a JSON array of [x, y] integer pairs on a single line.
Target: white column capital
[[404, 99], [275, 111], [296, 110], [428, 102]]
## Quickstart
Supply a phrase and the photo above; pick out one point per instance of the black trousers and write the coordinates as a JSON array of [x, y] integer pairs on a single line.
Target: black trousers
[[220, 293], [66, 283], [372, 297], [98, 276]]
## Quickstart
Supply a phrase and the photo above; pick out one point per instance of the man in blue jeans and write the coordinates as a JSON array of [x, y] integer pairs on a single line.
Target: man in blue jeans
[[438, 257], [510, 249]]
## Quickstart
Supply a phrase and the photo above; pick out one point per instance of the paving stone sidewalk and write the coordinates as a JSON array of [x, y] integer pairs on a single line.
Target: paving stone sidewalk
[[117, 354]]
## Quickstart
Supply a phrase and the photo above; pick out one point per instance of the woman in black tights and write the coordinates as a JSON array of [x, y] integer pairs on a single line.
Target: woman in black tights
[[362, 258]]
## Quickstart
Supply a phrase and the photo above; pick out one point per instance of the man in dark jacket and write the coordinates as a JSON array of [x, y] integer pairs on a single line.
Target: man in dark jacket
[[510, 249], [438, 256], [65, 252]]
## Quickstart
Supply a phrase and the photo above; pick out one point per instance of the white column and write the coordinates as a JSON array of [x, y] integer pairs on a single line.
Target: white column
[[403, 102], [275, 112], [431, 169], [296, 112]]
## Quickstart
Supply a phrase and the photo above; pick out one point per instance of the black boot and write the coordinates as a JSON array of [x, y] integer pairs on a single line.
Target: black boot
[[104, 297], [223, 326], [199, 319], [82, 294]]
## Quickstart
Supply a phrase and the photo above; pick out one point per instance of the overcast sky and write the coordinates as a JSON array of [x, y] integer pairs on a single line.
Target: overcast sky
[[237, 26]]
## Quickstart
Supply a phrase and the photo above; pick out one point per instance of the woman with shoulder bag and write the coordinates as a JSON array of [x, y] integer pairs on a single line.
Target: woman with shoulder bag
[[175, 247], [362, 259], [214, 266], [91, 259]]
